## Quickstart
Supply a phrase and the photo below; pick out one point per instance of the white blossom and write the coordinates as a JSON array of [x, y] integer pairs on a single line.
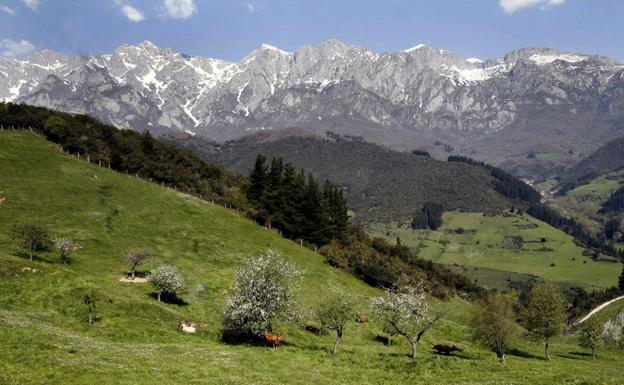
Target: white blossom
[[66, 247], [167, 279], [264, 291]]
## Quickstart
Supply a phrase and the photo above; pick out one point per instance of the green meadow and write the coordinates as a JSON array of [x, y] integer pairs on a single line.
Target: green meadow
[[44, 338], [507, 243]]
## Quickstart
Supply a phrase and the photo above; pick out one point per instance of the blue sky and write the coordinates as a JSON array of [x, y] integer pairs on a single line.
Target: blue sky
[[229, 29]]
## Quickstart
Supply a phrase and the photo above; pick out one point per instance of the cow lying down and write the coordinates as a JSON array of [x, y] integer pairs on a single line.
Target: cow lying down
[[190, 327]]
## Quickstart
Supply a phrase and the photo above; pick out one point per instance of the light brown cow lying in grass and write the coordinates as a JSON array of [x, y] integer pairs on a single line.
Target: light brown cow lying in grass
[[187, 326]]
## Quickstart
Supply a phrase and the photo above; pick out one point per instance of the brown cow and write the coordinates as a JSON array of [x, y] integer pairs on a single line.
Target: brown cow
[[362, 318], [445, 349], [271, 339]]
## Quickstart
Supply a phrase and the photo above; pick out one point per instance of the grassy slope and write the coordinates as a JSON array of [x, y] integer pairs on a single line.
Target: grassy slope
[[485, 248], [43, 338]]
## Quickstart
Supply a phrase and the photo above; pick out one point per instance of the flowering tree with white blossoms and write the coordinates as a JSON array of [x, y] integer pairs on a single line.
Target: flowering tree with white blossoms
[[264, 291], [405, 312], [613, 332], [66, 247], [167, 279]]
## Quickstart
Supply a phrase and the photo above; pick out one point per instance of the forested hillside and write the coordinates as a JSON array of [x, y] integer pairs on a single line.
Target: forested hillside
[[381, 185], [607, 158]]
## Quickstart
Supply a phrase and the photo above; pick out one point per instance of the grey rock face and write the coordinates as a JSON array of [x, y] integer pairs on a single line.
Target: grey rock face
[[419, 98]]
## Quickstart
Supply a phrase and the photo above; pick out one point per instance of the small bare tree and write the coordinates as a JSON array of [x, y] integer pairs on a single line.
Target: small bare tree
[[90, 298], [136, 257], [168, 280], [32, 236], [334, 313], [405, 312], [66, 247]]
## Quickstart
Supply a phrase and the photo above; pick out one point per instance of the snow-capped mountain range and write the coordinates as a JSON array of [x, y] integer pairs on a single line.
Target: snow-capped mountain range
[[417, 98]]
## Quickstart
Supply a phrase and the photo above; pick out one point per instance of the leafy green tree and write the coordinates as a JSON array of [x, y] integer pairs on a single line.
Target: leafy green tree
[[591, 335], [166, 279], [334, 313], [32, 236], [493, 325], [545, 313], [57, 126]]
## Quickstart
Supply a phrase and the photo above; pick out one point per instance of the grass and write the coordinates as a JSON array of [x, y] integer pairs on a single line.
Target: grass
[[486, 243], [44, 338]]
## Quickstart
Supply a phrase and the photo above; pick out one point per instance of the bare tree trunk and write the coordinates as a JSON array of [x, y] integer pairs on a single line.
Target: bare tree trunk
[[593, 352], [546, 350], [159, 296], [501, 357], [414, 347], [336, 342]]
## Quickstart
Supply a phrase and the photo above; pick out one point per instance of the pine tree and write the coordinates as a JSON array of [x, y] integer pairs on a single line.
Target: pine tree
[[292, 191], [273, 200], [336, 211], [258, 180], [314, 213]]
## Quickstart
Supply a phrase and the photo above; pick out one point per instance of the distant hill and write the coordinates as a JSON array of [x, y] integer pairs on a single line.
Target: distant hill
[[382, 185], [607, 158]]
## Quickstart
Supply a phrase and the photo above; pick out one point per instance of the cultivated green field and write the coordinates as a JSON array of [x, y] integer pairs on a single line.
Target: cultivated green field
[[487, 242], [45, 340]]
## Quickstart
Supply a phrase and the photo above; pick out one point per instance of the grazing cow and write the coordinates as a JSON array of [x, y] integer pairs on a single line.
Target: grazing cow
[[313, 329], [445, 349], [362, 318], [187, 326], [383, 339], [271, 339]]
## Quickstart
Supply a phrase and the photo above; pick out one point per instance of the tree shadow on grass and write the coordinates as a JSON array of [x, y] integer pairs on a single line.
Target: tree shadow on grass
[[523, 354], [170, 299], [575, 355], [36, 258]]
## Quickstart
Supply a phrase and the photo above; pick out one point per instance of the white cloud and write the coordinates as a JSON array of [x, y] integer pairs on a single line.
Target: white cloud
[[250, 7], [132, 13], [178, 9], [32, 4], [8, 10], [512, 6], [11, 48]]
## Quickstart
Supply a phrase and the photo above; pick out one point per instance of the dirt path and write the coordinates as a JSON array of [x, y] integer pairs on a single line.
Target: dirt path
[[598, 308]]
